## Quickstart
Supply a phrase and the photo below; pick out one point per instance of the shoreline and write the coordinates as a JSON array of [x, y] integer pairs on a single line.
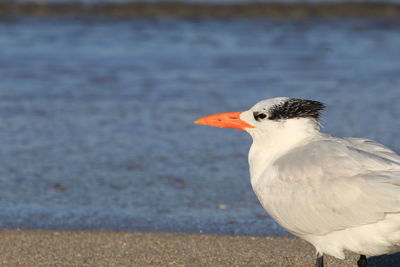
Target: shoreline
[[107, 248], [203, 10]]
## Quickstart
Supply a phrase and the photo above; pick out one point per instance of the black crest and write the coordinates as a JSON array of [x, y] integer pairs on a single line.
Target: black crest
[[296, 108]]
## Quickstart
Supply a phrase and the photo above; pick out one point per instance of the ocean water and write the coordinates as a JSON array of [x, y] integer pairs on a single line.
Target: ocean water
[[96, 116]]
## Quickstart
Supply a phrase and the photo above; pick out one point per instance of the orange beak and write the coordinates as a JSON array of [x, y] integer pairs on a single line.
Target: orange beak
[[225, 120]]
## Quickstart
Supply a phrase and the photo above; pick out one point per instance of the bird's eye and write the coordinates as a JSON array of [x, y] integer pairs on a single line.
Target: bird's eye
[[259, 116]]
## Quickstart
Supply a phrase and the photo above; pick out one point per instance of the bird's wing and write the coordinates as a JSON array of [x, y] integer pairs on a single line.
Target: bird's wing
[[332, 184], [372, 147]]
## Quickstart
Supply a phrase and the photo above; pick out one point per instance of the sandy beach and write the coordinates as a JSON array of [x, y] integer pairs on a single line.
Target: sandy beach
[[104, 248], [202, 10]]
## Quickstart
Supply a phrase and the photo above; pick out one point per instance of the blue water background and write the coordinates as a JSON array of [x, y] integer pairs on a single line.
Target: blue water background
[[96, 116]]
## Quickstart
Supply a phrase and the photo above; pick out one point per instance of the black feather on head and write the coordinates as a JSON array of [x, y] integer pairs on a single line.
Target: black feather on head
[[296, 108]]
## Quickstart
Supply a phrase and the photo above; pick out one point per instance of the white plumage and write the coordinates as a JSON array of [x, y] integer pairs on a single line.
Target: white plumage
[[336, 193]]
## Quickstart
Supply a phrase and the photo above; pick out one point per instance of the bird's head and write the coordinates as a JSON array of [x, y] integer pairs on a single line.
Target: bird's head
[[269, 115]]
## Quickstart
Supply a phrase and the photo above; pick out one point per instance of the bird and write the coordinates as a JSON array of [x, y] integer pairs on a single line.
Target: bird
[[339, 194]]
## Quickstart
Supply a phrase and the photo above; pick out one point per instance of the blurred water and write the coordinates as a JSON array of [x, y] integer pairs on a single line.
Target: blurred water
[[97, 116]]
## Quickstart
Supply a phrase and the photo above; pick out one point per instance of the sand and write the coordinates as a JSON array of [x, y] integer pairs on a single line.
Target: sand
[[104, 248], [201, 10]]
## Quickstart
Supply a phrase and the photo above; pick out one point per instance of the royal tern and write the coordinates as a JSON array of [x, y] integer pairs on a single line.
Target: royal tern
[[336, 193]]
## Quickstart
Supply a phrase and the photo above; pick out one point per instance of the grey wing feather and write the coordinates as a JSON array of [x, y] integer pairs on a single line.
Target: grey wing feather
[[373, 147], [334, 184]]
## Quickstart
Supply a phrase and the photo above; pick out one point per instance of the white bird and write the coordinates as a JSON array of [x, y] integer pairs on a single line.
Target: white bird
[[336, 193]]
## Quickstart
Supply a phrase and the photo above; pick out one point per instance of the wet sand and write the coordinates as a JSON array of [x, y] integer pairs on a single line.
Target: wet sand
[[200, 10], [104, 248]]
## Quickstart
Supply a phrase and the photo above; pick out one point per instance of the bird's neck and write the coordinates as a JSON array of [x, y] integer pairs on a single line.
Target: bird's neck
[[269, 145]]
